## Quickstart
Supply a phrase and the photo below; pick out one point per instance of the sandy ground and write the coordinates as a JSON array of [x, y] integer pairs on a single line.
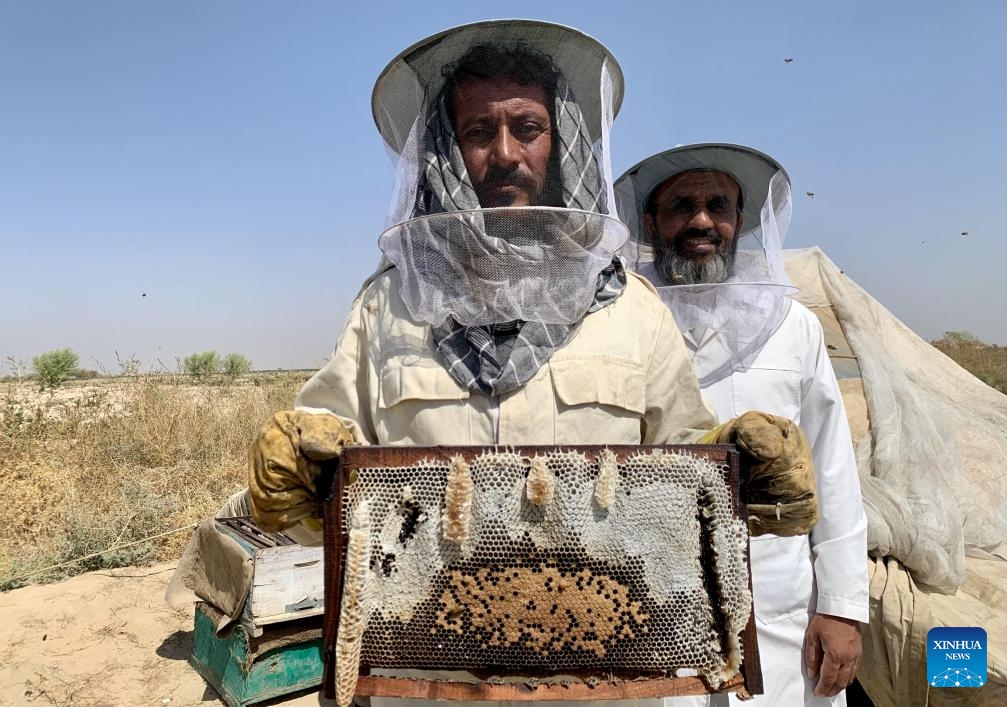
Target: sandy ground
[[104, 638]]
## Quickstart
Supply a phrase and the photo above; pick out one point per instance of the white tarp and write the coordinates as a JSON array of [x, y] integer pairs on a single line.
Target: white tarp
[[931, 444], [933, 464]]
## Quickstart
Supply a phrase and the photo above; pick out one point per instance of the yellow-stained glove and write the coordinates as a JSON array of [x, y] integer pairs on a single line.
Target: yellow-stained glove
[[284, 464], [781, 481]]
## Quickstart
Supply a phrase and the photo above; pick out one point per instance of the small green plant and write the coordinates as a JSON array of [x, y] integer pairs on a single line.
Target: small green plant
[[236, 365], [202, 365], [53, 368], [960, 337], [139, 509]]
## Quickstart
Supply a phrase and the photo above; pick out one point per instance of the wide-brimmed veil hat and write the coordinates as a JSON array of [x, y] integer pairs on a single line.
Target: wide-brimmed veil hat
[[459, 260], [744, 310], [751, 169], [418, 72]]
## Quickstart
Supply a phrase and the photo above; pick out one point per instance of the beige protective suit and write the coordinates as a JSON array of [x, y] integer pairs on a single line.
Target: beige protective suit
[[624, 377]]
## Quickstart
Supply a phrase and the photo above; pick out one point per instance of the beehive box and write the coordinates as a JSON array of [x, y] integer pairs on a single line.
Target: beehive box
[[244, 669], [287, 578]]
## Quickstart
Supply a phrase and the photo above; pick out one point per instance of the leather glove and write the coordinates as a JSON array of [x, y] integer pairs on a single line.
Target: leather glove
[[284, 464], [781, 480]]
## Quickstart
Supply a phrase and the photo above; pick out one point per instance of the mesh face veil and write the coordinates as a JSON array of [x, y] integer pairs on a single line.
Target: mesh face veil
[[502, 208], [729, 320]]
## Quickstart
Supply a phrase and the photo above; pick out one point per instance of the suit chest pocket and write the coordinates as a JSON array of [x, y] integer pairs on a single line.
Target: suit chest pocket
[[404, 378], [598, 401], [771, 385], [420, 404]]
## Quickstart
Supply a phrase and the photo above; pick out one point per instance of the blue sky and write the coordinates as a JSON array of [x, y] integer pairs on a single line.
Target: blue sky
[[220, 156]]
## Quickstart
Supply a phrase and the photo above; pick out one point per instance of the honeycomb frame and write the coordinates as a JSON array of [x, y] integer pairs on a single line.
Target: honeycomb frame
[[482, 607]]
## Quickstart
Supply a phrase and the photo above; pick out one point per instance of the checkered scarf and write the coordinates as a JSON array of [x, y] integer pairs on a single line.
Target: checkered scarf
[[496, 359]]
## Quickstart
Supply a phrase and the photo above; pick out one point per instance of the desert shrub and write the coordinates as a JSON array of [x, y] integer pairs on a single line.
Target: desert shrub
[[960, 337], [128, 518], [993, 380], [53, 368], [236, 365], [202, 365]]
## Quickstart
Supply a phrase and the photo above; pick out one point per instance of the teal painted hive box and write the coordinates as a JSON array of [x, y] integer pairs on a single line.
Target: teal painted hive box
[[245, 669]]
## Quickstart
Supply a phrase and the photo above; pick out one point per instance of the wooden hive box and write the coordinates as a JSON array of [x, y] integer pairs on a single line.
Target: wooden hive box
[[276, 648], [288, 579], [245, 669]]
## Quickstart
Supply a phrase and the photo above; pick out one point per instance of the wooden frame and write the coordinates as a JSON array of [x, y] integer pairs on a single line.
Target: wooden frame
[[611, 685]]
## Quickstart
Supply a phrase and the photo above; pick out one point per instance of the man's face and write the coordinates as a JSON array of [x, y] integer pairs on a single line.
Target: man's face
[[693, 227], [505, 135]]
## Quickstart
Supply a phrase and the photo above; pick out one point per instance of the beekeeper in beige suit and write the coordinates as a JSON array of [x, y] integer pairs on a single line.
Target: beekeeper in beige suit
[[500, 313]]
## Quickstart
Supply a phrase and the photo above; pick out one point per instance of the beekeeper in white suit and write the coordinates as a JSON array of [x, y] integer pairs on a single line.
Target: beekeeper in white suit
[[708, 224]]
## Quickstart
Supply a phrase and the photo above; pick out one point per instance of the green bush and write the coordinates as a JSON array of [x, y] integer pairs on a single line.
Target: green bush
[[53, 368], [960, 337], [236, 365], [201, 365]]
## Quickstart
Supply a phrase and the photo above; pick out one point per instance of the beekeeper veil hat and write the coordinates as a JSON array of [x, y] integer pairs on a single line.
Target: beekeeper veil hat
[[728, 321], [480, 266]]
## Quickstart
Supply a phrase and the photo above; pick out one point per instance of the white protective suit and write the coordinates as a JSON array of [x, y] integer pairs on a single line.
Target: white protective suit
[[825, 572], [754, 348]]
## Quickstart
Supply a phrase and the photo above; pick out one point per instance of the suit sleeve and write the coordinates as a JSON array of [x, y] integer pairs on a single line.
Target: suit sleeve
[[343, 386], [839, 541]]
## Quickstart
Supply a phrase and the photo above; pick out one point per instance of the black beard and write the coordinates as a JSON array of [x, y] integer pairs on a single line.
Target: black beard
[[678, 270], [497, 176]]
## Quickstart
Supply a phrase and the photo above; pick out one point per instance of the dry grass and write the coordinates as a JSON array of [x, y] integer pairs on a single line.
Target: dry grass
[[987, 362], [117, 460]]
